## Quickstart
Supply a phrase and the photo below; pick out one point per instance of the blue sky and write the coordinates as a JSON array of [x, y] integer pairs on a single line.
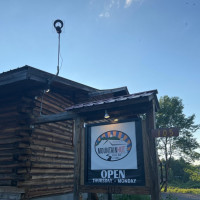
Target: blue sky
[[141, 44]]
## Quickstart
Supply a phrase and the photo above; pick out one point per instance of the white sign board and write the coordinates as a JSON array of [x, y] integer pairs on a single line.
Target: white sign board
[[113, 146]]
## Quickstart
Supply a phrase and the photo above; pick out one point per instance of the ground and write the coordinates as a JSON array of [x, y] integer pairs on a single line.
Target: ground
[[181, 196]]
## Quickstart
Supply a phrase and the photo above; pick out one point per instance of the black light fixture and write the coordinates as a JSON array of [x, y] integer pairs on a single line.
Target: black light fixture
[[106, 116]]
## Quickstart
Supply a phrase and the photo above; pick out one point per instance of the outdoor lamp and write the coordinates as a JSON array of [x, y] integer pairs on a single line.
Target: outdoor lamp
[[106, 116]]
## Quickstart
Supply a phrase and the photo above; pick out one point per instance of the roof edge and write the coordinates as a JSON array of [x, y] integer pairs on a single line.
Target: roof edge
[[30, 73], [110, 91]]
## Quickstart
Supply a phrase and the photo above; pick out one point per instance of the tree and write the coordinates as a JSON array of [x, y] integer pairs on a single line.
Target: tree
[[177, 170], [171, 115], [194, 173]]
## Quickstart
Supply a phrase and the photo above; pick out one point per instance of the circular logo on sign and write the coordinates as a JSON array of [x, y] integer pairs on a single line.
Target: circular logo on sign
[[113, 145]]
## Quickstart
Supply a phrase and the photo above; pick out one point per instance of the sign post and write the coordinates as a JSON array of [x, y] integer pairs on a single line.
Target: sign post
[[165, 132]]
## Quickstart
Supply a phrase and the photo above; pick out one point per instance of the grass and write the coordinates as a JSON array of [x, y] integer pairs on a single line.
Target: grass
[[183, 190]]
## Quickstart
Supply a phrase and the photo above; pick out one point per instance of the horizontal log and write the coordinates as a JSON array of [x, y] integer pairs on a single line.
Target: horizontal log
[[66, 155], [17, 145], [23, 145], [57, 127], [8, 135], [9, 102], [13, 152], [56, 133], [6, 158], [8, 189], [9, 127], [7, 153], [67, 141], [9, 114], [36, 112], [13, 127], [8, 146], [26, 109], [50, 144], [60, 98], [50, 187], [5, 170], [13, 176], [11, 140], [46, 159], [51, 134], [49, 192], [48, 108], [63, 123], [45, 171], [9, 108], [5, 182], [51, 149], [26, 100], [54, 117], [13, 115], [52, 165], [45, 181], [13, 164], [51, 176], [47, 103], [5, 120], [53, 100]]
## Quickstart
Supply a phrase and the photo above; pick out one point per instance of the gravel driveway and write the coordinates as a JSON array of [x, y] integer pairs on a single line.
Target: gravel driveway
[[181, 196]]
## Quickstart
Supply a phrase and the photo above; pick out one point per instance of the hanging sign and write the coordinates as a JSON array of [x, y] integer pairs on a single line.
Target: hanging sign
[[165, 132], [114, 154]]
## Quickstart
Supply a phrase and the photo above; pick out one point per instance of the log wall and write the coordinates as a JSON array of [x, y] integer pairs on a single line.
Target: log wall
[[13, 141], [38, 158]]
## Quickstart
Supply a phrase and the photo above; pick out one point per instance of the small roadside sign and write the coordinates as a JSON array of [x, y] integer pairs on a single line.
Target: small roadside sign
[[165, 132]]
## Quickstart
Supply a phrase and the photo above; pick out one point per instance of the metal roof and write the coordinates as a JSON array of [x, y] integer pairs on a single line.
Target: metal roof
[[135, 96]]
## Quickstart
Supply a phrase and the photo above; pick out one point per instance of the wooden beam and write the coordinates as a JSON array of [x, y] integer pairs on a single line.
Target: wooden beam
[[77, 156], [54, 117], [115, 189], [153, 162]]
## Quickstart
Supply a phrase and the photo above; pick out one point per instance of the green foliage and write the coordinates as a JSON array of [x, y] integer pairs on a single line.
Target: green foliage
[[171, 115], [183, 175], [194, 173], [131, 197], [177, 172]]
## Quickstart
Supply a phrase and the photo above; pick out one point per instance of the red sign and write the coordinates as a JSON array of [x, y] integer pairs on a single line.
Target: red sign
[[165, 132]]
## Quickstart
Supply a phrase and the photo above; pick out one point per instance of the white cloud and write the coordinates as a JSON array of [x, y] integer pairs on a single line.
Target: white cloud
[[110, 5], [128, 3], [104, 14]]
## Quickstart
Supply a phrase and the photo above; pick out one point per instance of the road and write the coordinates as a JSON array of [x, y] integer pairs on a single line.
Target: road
[[181, 196]]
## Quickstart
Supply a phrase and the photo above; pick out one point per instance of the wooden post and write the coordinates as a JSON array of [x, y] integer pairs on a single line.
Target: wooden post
[[77, 152], [155, 186], [109, 196]]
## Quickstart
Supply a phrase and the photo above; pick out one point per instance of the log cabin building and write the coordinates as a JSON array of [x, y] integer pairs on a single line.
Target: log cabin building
[[38, 160], [45, 161]]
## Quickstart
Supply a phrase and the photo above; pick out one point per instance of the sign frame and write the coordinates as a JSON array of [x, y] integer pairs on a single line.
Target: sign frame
[[136, 176]]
